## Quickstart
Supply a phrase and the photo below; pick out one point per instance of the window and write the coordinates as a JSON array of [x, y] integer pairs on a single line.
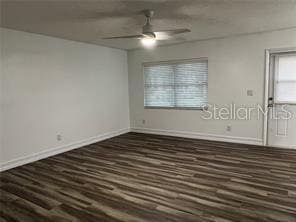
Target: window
[[181, 84], [285, 84]]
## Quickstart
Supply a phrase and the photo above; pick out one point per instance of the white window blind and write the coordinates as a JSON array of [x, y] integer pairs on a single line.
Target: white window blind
[[177, 85], [285, 85]]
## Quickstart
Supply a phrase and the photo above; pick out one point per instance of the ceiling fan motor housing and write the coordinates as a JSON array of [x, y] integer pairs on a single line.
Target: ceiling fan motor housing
[[147, 28]]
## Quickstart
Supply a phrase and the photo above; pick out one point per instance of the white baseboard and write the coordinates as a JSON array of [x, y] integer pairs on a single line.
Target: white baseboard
[[282, 147], [195, 135], [61, 149]]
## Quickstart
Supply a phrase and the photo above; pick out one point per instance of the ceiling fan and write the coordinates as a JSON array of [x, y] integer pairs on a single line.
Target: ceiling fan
[[148, 35]]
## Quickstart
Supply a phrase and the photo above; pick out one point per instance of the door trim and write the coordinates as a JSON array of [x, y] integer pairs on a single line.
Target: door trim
[[268, 53]]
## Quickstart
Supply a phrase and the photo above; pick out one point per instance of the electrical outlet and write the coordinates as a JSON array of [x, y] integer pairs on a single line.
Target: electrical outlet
[[143, 121], [59, 137], [228, 128], [250, 92]]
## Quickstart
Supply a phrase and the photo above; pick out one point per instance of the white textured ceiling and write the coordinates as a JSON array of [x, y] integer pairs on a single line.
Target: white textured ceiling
[[89, 21]]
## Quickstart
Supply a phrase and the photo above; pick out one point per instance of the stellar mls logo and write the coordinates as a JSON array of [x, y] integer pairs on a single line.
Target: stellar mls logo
[[234, 112]]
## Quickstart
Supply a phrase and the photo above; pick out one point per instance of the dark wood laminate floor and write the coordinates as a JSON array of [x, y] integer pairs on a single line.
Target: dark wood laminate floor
[[138, 177]]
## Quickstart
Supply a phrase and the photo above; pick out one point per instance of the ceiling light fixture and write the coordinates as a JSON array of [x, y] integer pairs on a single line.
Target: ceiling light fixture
[[148, 42]]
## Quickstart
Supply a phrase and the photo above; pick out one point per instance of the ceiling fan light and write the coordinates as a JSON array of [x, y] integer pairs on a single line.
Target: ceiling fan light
[[148, 42]]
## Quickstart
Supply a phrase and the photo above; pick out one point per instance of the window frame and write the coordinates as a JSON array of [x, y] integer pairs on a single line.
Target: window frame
[[276, 76], [170, 62]]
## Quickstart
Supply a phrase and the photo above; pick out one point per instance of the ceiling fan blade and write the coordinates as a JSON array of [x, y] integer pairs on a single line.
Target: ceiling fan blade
[[125, 37], [173, 31], [167, 34]]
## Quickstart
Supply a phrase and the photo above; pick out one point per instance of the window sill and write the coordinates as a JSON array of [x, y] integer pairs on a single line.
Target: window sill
[[176, 108]]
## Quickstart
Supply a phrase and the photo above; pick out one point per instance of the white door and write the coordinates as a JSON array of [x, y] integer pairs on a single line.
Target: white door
[[282, 101]]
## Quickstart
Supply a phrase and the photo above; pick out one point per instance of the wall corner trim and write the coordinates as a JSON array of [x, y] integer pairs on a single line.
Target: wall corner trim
[[61, 149], [196, 135]]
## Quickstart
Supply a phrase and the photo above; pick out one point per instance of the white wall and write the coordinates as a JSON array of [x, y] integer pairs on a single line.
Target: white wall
[[1, 99], [236, 64], [54, 86], [51, 86]]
